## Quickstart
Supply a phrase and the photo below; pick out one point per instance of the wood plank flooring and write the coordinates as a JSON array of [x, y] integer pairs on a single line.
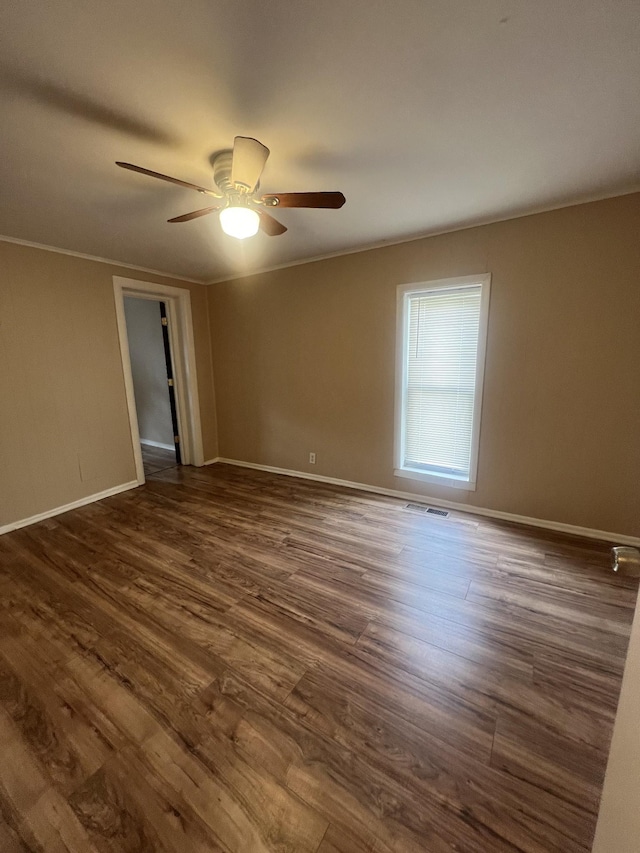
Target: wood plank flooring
[[156, 459], [228, 660]]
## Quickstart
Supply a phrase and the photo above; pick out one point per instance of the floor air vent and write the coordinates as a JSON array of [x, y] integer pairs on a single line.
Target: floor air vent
[[429, 510]]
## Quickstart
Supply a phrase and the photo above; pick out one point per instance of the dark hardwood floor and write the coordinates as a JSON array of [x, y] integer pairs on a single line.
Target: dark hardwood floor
[[228, 660]]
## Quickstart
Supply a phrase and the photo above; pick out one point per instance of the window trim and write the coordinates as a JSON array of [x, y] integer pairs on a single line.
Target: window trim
[[402, 319]]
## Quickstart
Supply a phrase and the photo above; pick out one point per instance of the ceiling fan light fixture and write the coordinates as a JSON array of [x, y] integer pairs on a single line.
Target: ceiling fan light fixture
[[239, 222], [236, 174]]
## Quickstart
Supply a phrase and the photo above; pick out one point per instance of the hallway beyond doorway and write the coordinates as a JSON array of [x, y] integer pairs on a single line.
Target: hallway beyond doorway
[[157, 459]]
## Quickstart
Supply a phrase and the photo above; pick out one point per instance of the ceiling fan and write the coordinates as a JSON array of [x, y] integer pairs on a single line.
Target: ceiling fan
[[242, 210]]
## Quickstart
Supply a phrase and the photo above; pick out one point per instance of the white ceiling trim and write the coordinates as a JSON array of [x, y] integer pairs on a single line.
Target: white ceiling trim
[[114, 263], [365, 248], [381, 245]]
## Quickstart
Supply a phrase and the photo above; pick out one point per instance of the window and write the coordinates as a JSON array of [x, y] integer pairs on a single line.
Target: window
[[442, 328]]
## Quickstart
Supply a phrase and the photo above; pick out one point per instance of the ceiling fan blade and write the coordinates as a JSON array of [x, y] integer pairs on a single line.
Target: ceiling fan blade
[[177, 181], [270, 225], [249, 158], [187, 217], [328, 200]]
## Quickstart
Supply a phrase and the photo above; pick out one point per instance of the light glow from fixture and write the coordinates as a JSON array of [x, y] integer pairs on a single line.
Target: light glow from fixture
[[240, 222]]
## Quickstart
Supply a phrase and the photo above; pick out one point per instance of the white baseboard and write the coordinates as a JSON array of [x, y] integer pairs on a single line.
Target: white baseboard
[[559, 527], [159, 444], [574, 530], [98, 496]]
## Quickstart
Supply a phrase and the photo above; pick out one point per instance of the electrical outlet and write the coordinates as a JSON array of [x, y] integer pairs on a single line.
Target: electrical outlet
[[312, 458]]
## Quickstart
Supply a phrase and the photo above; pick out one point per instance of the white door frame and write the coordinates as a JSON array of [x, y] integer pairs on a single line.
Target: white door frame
[[183, 354]]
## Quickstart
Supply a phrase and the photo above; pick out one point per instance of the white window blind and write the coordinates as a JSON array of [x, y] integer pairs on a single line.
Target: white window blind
[[442, 330]]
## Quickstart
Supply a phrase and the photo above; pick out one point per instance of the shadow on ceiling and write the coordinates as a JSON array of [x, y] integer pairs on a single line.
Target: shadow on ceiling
[[80, 106]]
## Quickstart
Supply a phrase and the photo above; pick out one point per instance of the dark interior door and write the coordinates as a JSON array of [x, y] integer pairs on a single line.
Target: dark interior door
[[170, 380]]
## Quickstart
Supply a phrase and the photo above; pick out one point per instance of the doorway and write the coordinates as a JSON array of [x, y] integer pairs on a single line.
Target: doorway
[[153, 383], [158, 360]]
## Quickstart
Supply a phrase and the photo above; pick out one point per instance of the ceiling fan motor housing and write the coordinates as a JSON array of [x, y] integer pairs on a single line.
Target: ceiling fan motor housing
[[222, 166], [222, 171]]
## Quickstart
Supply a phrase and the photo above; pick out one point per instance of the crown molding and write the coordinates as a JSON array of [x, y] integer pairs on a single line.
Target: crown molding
[[451, 230], [19, 242], [368, 247]]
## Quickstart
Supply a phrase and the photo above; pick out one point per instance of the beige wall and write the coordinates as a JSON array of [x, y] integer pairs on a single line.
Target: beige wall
[[64, 428], [304, 360]]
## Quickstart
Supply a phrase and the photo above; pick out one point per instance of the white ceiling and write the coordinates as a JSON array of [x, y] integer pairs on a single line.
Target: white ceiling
[[427, 114]]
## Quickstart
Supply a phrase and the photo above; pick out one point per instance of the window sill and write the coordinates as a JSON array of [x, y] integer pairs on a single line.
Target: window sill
[[441, 479]]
